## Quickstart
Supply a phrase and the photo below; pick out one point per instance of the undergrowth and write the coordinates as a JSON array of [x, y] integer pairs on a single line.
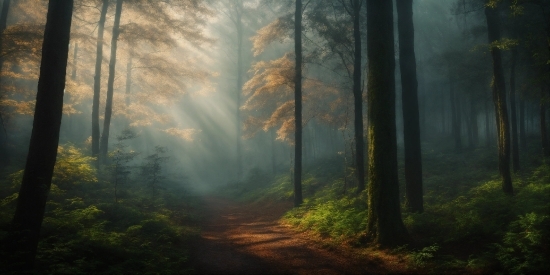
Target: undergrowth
[[469, 224], [85, 231]]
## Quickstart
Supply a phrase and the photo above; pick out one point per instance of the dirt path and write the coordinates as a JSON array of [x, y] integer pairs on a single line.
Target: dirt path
[[248, 239]]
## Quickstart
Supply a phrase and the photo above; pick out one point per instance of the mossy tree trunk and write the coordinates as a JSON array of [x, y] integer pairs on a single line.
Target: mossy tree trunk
[[384, 224], [298, 105], [44, 141], [499, 100], [104, 146], [411, 119], [97, 80]]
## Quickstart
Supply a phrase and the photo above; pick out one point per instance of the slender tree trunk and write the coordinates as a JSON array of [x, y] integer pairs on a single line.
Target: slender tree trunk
[[411, 120], [522, 136], [384, 224], [358, 99], [487, 125], [110, 85], [455, 115], [4, 156], [543, 130], [499, 99], [97, 80], [474, 131], [515, 141], [37, 177], [239, 87], [298, 105]]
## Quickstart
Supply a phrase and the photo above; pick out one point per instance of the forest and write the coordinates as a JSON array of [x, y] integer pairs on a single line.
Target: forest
[[275, 136]]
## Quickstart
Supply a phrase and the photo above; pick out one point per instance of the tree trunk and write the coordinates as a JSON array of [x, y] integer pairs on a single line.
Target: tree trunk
[[97, 81], [39, 167], [474, 131], [499, 99], [522, 136], [487, 125], [455, 114], [239, 87], [411, 120], [298, 105], [543, 131], [384, 224], [4, 156], [515, 141], [358, 99], [110, 85]]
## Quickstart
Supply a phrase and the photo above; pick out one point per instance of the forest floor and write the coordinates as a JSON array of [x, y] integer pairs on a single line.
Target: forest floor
[[248, 238]]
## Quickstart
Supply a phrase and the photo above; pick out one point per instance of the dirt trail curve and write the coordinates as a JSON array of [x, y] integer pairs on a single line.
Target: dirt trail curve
[[241, 238]]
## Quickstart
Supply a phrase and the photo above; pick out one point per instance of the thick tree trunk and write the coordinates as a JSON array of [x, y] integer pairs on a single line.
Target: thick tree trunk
[[515, 141], [42, 153], [298, 105], [384, 224], [358, 99], [411, 121], [104, 147], [499, 99], [97, 80]]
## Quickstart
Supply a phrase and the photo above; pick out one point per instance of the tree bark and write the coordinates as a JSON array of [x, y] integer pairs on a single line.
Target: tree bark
[[97, 81], [515, 141], [298, 105], [104, 146], [44, 141], [358, 99], [384, 224], [411, 120], [499, 100]]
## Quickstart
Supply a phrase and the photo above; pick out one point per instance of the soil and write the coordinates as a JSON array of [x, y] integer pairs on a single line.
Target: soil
[[244, 238]]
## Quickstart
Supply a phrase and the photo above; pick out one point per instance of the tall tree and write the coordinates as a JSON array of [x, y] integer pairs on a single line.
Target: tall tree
[[499, 99], [515, 140], [298, 105], [110, 84], [411, 118], [3, 134], [97, 79], [384, 224], [44, 140], [358, 98]]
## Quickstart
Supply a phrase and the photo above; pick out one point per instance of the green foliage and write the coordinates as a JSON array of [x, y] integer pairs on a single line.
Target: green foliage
[[524, 249], [85, 232], [423, 256]]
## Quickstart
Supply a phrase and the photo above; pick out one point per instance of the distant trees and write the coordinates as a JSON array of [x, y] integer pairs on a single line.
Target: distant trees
[[44, 141]]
